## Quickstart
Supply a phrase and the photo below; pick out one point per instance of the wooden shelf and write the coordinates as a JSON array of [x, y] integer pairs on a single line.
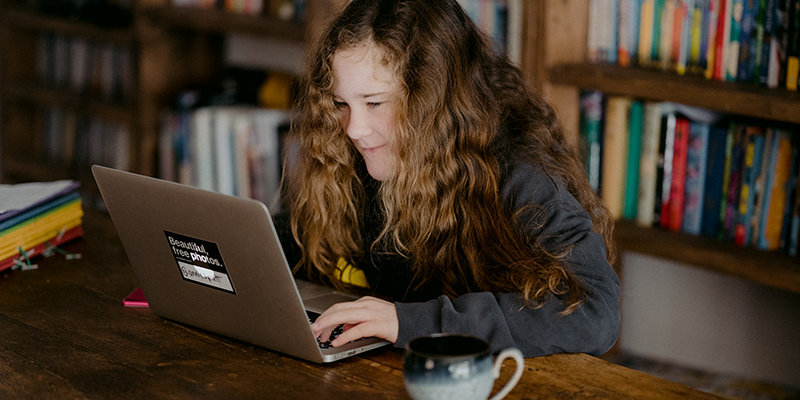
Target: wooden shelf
[[768, 268], [33, 21], [121, 113], [727, 97], [23, 169], [221, 22]]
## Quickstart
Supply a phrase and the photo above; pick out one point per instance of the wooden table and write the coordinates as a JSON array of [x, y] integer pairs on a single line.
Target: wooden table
[[64, 334]]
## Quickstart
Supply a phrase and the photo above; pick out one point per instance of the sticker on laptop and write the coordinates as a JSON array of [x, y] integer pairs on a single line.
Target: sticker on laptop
[[199, 261]]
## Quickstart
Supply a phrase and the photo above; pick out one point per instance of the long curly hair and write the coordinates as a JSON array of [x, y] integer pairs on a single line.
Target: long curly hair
[[442, 205]]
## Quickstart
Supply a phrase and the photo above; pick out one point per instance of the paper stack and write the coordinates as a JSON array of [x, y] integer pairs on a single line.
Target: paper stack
[[35, 218]]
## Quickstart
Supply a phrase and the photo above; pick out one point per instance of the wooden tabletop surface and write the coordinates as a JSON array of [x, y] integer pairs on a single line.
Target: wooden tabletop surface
[[64, 334]]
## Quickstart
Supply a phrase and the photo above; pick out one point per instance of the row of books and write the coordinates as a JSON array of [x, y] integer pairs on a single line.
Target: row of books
[[231, 149], [501, 20], [86, 67], [283, 9], [36, 218], [750, 41], [692, 171], [73, 138]]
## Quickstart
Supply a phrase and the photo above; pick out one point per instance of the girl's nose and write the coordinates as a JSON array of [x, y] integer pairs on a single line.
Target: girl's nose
[[355, 124]]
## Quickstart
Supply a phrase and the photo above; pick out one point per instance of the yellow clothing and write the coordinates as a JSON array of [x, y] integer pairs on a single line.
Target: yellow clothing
[[350, 274]]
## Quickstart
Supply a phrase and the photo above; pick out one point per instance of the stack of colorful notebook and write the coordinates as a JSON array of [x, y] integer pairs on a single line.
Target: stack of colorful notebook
[[35, 218]]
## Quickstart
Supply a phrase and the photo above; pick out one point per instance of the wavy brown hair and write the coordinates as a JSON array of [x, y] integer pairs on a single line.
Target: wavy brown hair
[[442, 205]]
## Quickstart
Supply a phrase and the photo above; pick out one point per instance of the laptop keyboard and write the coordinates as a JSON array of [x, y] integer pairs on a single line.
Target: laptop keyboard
[[312, 316]]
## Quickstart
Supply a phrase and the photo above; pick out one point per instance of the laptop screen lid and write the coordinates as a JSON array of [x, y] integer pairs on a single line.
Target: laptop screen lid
[[214, 261]]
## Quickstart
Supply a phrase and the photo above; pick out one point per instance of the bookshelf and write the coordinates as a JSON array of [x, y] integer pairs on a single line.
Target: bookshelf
[[171, 48], [561, 71], [176, 47]]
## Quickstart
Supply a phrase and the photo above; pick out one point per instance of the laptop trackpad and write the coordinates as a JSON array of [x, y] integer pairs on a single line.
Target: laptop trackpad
[[321, 303]]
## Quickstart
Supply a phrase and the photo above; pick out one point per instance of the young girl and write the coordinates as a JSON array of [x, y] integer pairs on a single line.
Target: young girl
[[429, 175]]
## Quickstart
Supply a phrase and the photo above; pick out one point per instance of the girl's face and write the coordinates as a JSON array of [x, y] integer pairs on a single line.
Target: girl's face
[[366, 93]]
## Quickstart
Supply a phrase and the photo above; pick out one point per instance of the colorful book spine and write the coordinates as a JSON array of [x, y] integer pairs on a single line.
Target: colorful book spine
[[711, 25], [752, 164], [615, 153], [793, 49], [664, 168], [648, 164], [667, 36], [591, 120], [778, 175], [695, 182], [41, 247], [734, 192], [635, 126], [713, 198], [760, 187], [782, 39], [734, 30], [767, 65], [672, 219], [685, 38], [646, 24], [747, 38], [722, 40]]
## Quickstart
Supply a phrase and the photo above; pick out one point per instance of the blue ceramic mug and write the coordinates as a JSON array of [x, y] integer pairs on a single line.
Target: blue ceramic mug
[[448, 366]]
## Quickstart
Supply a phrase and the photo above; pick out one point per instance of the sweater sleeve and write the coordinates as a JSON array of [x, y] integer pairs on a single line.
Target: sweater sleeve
[[502, 318]]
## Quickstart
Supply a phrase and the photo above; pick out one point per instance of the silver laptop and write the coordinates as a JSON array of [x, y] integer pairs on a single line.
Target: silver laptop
[[214, 261]]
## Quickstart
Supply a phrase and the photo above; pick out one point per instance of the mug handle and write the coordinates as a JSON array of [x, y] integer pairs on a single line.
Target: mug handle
[[517, 356]]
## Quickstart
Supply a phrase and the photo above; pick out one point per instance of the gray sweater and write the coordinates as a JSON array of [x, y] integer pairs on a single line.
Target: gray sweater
[[501, 318]]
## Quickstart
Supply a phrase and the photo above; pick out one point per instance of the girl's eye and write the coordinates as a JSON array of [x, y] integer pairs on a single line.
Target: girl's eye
[[340, 104], [373, 104]]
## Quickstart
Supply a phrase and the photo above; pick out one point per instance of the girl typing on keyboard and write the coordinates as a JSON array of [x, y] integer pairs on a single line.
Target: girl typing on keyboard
[[432, 177]]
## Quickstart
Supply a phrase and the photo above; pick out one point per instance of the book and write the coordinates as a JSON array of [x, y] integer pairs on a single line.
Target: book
[[202, 148], [23, 197], [628, 33], [591, 126], [793, 46], [673, 207], [646, 26], [41, 248], [631, 199], [783, 16], [751, 166], [664, 166], [775, 191], [648, 164], [695, 182], [767, 63], [223, 145], [748, 36], [684, 35], [760, 187], [667, 35], [734, 171], [615, 153], [697, 52], [722, 40], [735, 29], [714, 198], [594, 45], [39, 229], [711, 24]]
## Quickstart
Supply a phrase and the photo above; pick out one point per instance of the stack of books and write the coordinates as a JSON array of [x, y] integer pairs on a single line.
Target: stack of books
[[35, 218]]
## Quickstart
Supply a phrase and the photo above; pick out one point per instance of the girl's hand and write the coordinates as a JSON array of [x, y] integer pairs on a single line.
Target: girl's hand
[[365, 317]]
